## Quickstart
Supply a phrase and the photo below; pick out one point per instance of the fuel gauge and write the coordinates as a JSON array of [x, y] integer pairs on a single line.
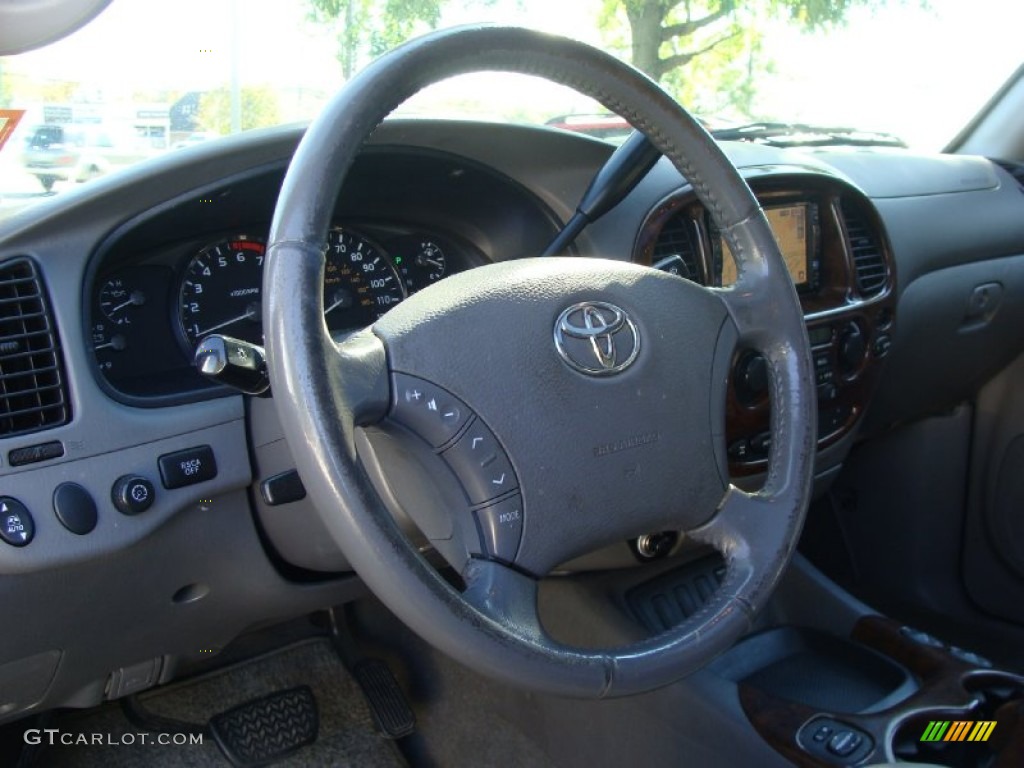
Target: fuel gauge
[[431, 258], [420, 262]]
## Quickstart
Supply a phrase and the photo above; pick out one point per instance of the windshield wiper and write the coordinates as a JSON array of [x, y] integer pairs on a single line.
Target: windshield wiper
[[803, 135]]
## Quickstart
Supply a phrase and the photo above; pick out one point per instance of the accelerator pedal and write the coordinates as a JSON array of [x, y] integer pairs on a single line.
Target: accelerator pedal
[[262, 731], [388, 706]]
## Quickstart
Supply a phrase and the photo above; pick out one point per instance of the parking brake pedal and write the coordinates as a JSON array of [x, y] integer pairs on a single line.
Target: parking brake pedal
[[265, 730], [390, 710]]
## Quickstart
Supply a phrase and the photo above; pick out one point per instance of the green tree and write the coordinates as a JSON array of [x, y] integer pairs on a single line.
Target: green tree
[[368, 28], [373, 26], [259, 109], [666, 35]]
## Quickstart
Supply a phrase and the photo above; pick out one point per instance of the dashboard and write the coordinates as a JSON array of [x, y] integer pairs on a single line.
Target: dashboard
[[149, 317], [168, 279], [118, 281]]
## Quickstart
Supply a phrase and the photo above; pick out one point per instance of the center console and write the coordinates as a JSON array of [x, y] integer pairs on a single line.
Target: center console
[[838, 256], [887, 693]]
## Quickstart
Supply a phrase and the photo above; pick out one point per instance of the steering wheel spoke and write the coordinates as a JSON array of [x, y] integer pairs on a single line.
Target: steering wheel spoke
[[504, 595], [751, 530], [362, 378]]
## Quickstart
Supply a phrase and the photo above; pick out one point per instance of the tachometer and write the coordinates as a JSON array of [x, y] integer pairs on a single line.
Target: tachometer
[[221, 291], [360, 282]]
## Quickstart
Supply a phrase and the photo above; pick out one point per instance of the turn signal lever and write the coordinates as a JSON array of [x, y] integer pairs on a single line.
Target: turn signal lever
[[235, 363]]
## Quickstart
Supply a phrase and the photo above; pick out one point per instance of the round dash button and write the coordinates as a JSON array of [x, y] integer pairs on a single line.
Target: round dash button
[[75, 508]]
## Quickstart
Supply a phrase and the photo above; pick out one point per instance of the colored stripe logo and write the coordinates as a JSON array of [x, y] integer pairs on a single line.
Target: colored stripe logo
[[958, 730]]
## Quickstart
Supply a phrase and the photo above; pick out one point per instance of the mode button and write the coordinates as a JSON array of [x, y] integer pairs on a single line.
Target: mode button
[[193, 465]]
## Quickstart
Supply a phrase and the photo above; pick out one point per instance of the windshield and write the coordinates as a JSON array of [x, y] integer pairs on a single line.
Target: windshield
[[144, 78]]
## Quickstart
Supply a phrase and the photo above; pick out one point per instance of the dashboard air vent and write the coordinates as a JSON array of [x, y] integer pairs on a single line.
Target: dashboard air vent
[[1015, 169], [868, 261], [32, 391], [676, 239]]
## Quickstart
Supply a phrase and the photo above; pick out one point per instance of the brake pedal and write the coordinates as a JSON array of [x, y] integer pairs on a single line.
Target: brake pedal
[[388, 706], [264, 730]]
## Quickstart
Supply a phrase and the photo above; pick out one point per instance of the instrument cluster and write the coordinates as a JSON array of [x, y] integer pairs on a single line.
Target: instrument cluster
[[149, 316]]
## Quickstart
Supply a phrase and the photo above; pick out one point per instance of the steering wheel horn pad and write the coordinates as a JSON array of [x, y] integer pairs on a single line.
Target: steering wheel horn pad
[[598, 458], [598, 455]]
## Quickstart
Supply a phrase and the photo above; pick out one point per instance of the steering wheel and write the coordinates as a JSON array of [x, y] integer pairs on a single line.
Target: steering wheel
[[573, 402]]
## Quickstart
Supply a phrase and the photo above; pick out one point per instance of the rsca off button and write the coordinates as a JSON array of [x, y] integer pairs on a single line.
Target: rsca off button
[[16, 525], [188, 467]]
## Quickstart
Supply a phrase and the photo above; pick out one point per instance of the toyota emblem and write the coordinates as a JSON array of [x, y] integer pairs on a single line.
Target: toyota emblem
[[596, 338]]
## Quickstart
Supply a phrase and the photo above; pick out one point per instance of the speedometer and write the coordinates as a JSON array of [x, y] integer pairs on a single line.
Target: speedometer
[[360, 282]]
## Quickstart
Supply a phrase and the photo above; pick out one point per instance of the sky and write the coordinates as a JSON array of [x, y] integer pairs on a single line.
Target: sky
[[915, 72]]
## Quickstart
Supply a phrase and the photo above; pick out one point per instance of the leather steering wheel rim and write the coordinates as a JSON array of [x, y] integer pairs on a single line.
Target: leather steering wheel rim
[[325, 391]]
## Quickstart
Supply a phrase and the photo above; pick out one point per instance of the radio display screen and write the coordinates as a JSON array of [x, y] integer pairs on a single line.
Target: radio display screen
[[789, 224]]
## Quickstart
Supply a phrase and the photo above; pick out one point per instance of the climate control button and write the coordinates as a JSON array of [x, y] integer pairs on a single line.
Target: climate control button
[[16, 525], [852, 347], [751, 377]]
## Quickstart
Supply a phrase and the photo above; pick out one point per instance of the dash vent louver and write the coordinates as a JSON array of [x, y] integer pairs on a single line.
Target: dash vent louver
[[676, 239], [1014, 169], [868, 261], [33, 395]]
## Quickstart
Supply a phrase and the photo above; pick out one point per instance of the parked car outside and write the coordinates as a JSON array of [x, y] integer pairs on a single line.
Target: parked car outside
[[71, 152], [607, 126]]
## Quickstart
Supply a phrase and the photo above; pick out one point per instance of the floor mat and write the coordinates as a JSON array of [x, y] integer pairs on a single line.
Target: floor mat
[[346, 734]]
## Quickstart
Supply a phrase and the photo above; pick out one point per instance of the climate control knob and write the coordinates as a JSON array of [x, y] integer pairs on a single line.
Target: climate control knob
[[751, 377], [852, 348]]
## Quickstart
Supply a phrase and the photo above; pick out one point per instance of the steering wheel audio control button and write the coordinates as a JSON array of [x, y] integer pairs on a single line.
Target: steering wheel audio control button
[[481, 464], [16, 525], [132, 494], [501, 527], [431, 412]]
